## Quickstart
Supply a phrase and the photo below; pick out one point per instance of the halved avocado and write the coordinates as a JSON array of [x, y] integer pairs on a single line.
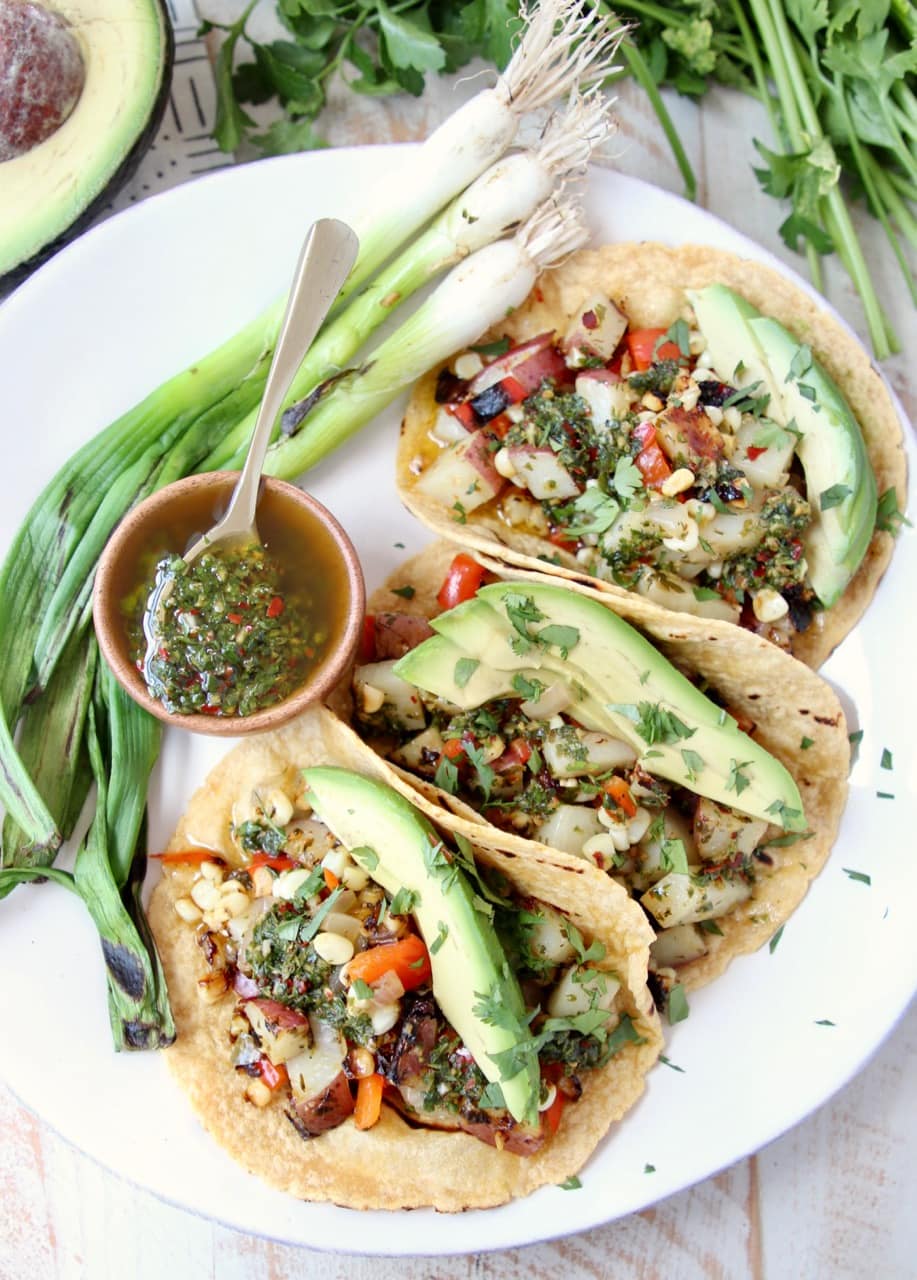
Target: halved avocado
[[53, 189]]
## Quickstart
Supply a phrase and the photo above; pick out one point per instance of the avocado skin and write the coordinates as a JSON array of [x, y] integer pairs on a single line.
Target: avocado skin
[[621, 667], [469, 962], [126, 169]]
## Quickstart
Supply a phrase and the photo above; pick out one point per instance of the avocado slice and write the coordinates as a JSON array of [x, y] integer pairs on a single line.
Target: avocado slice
[[400, 849], [621, 684], [52, 189], [840, 483]]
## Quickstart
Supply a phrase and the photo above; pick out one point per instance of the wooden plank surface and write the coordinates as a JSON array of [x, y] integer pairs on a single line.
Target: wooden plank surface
[[831, 1198]]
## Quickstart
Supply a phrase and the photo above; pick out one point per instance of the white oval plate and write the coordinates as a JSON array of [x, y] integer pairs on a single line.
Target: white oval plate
[[112, 316]]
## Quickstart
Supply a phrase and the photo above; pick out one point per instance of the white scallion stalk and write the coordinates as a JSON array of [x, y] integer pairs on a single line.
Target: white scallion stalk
[[564, 46], [474, 296], [496, 204]]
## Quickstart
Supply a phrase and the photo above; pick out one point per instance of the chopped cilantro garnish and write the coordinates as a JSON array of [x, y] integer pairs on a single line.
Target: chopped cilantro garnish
[[310, 929], [834, 496], [493, 349], [649, 1168], [855, 739], [673, 857], [483, 772], [446, 775], [407, 592], [531, 690], [442, 933], [889, 518], [825, 1022], [800, 364], [627, 479], [464, 670], [775, 940], [886, 762], [570, 1184], [860, 876], [667, 1062], [738, 781], [565, 638], [310, 887], [885, 795], [677, 1007], [599, 509], [693, 763], [404, 901], [680, 334], [710, 926], [654, 723], [806, 743], [362, 990], [521, 610], [461, 516], [369, 858], [705, 593]]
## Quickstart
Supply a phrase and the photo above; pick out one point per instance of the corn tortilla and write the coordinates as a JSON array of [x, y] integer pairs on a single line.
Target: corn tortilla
[[393, 1165], [785, 699], [649, 282]]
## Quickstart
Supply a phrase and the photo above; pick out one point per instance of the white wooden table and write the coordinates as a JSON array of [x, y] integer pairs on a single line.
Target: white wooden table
[[833, 1198]]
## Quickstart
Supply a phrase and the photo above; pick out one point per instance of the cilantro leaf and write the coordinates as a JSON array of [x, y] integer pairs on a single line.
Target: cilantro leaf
[[889, 518], [677, 1007], [860, 876], [464, 670], [446, 775], [737, 780], [406, 592], [834, 496]]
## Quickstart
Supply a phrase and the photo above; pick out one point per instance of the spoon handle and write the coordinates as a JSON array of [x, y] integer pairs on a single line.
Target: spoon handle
[[324, 264]]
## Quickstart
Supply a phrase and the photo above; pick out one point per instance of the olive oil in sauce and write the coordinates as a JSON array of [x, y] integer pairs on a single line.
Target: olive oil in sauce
[[244, 626]]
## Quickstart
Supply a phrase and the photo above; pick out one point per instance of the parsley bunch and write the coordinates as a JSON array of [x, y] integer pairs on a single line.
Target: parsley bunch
[[837, 79]]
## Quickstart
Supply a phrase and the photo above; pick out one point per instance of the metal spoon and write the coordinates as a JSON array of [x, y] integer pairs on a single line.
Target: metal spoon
[[324, 264]]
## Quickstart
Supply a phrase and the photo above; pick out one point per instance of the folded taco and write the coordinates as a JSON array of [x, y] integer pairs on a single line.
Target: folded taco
[[381, 1013], [680, 423], [553, 711]]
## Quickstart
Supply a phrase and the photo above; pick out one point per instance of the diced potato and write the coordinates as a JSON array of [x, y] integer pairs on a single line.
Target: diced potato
[[317, 1065], [421, 753], [542, 472], [682, 899], [581, 988], [720, 833], [651, 864], [569, 827], [607, 401], [574, 753], [773, 452], [283, 1033], [548, 939], [464, 473], [597, 327], [679, 945], [667, 591], [401, 701]]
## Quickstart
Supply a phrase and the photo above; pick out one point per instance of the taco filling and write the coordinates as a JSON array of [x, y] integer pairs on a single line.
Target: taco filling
[[713, 466], [554, 720], [398, 974]]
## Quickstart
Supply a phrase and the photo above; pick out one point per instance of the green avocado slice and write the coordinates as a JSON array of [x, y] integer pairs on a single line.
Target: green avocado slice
[[621, 685], [747, 347], [52, 190], [472, 981], [840, 482]]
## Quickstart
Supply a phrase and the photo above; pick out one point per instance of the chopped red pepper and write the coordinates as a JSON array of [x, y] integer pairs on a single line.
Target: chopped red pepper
[[620, 793], [642, 344], [653, 465], [275, 608], [193, 857], [464, 577], [755, 451], [464, 413], [235, 618], [453, 748], [273, 1075], [331, 880], [277, 862]]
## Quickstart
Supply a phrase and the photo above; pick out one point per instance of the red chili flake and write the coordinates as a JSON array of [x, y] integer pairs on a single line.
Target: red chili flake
[[590, 320], [754, 451], [276, 607], [234, 617]]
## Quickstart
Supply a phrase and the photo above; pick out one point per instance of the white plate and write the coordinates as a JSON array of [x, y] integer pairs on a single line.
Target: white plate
[[111, 317]]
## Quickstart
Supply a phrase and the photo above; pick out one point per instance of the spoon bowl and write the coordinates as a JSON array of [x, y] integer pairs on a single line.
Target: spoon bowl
[[168, 521]]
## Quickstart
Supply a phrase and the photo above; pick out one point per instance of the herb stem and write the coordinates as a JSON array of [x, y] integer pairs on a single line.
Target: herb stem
[[644, 78]]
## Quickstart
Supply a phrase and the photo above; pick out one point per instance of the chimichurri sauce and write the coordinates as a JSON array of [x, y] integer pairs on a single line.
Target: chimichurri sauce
[[224, 635]]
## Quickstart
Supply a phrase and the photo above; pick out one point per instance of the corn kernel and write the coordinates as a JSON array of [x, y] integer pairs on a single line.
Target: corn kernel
[[185, 908], [256, 1091]]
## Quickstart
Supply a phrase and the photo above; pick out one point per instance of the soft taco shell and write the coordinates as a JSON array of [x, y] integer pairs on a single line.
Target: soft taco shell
[[393, 1165], [649, 282], [786, 701]]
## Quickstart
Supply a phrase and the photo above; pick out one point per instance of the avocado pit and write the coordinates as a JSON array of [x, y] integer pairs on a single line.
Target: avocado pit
[[42, 74]]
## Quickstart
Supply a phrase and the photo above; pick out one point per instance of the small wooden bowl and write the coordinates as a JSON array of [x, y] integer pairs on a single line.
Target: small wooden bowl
[[166, 522]]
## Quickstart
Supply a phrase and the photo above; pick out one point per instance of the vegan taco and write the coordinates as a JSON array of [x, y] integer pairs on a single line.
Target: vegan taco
[[381, 1013], [680, 423], [711, 789]]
